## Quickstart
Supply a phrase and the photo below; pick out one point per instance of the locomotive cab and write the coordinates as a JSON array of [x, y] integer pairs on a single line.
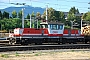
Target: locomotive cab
[[54, 28], [44, 25]]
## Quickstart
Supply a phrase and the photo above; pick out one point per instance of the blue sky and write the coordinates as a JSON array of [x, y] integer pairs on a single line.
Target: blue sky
[[61, 5]]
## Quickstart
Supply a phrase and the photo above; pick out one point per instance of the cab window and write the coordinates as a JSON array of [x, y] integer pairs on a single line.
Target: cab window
[[61, 27], [44, 26], [54, 27]]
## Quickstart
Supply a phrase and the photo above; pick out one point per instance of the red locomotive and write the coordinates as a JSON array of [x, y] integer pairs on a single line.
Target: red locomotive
[[51, 32]]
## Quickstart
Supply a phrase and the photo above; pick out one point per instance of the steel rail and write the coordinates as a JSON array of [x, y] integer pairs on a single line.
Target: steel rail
[[44, 47]]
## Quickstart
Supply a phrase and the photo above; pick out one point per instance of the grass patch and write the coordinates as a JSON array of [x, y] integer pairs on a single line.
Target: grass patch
[[36, 54], [17, 54], [72, 50], [5, 55]]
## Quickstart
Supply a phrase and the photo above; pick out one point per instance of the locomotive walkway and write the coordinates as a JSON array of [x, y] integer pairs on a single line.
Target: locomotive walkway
[[44, 47]]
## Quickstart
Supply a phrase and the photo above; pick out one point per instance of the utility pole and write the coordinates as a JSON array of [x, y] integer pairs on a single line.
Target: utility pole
[[22, 17], [89, 7], [9, 1], [31, 2], [37, 23], [46, 13], [81, 26], [71, 24], [1, 29], [17, 15], [30, 21]]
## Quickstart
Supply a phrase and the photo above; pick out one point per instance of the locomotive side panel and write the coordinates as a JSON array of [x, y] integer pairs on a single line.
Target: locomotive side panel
[[31, 35], [73, 36], [54, 32]]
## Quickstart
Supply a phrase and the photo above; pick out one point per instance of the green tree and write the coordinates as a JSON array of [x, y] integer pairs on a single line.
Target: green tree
[[28, 16], [61, 16], [33, 14], [56, 15], [38, 15], [72, 15], [86, 16], [50, 14], [5, 14], [0, 15], [8, 24], [77, 11], [73, 10], [14, 14], [20, 14]]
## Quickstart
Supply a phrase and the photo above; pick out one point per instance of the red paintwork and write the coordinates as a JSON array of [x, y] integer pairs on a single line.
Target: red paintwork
[[33, 31], [66, 31], [17, 34], [74, 32]]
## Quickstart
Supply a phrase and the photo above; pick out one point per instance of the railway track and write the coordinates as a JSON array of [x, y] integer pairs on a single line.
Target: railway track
[[44, 47]]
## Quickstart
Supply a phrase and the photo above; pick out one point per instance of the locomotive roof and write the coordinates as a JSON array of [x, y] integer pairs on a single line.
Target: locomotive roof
[[56, 23], [52, 23]]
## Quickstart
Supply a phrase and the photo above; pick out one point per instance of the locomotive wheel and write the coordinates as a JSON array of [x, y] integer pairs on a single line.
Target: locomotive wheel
[[38, 43], [85, 41], [12, 41], [58, 43], [23, 42]]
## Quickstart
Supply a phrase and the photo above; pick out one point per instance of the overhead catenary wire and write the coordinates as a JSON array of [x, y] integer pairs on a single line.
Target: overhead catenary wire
[[52, 3], [56, 4], [73, 1]]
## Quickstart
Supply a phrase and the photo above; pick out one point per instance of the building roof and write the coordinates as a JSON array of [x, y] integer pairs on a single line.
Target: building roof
[[77, 14]]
